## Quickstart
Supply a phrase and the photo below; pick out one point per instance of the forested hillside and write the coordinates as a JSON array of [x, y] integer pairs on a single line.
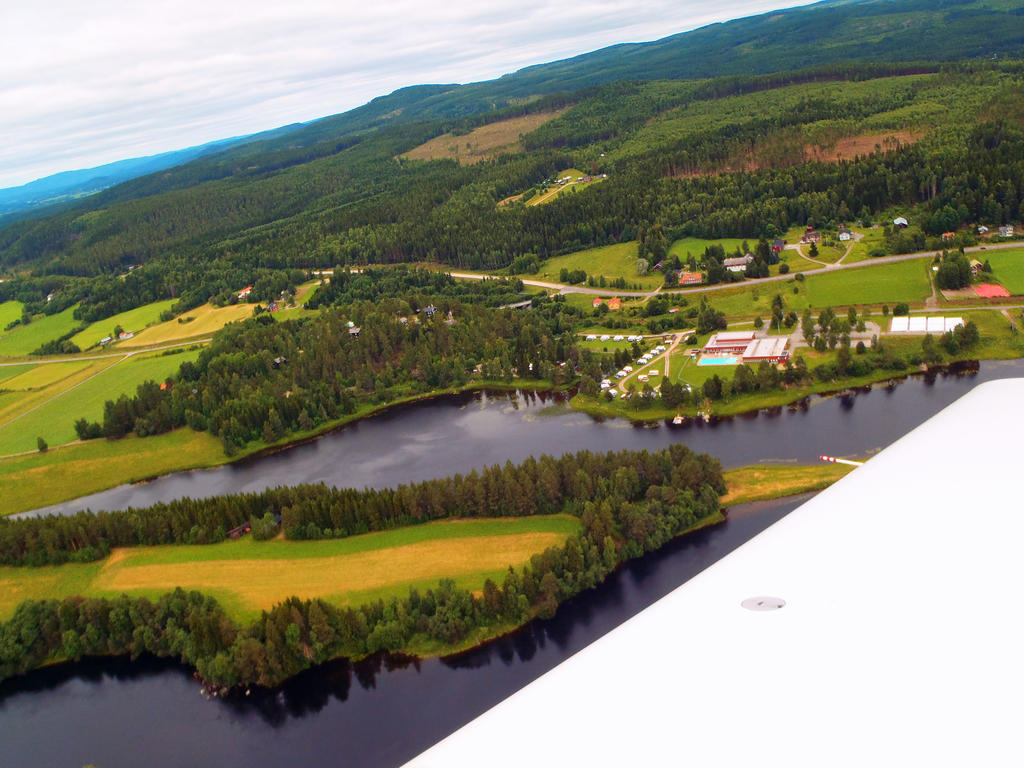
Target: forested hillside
[[739, 156]]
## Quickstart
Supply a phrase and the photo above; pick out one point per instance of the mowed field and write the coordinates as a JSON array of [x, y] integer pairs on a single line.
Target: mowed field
[[875, 285], [24, 339], [248, 577], [1008, 266], [205, 320], [9, 312], [37, 479], [611, 261], [133, 321], [483, 142], [73, 390]]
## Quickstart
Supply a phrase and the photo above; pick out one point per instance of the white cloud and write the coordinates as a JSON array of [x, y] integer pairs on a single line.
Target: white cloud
[[83, 84]]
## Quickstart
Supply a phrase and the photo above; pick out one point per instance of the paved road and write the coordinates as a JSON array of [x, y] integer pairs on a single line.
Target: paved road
[[561, 288]]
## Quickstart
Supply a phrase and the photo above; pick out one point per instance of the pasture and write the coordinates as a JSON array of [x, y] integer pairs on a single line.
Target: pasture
[[201, 321], [9, 312], [610, 261], [40, 479], [24, 339], [75, 397], [248, 576], [1008, 267], [483, 142], [133, 321]]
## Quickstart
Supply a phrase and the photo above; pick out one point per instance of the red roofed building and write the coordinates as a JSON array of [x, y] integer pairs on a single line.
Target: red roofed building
[[244, 293], [691, 278], [614, 303], [597, 302]]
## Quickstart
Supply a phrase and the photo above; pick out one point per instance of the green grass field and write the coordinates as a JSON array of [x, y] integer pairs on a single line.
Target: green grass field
[[133, 321], [8, 372], [53, 420], [1008, 266], [9, 312], [248, 576], [696, 246], [611, 261], [880, 284], [40, 479], [25, 339]]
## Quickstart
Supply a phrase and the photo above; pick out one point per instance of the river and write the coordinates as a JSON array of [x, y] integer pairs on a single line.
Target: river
[[457, 433], [381, 712]]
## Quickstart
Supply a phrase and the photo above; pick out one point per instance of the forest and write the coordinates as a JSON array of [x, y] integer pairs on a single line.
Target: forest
[[262, 379], [628, 503], [719, 158]]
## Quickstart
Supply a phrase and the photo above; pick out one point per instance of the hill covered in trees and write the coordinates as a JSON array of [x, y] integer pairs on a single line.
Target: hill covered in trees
[[727, 156]]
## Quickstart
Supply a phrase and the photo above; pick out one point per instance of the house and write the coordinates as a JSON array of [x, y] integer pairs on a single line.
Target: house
[[272, 306], [691, 278], [597, 302], [106, 340], [614, 303], [900, 222], [239, 531], [123, 335], [244, 293], [811, 237], [946, 236], [738, 263], [976, 267], [845, 235], [279, 361], [49, 297], [354, 331], [1006, 231], [658, 266], [778, 245], [982, 230], [429, 310]]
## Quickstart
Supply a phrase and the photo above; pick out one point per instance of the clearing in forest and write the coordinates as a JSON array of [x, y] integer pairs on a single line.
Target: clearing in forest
[[484, 142], [249, 576], [201, 321]]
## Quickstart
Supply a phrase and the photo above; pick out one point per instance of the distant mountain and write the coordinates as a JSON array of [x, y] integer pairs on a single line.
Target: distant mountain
[[68, 186], [848, 31], [836, 32]]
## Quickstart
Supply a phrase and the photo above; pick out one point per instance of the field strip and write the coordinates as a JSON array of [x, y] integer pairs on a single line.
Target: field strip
[[64, 392]]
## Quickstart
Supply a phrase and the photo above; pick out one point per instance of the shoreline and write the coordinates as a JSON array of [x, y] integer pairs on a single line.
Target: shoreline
[[747, 404]]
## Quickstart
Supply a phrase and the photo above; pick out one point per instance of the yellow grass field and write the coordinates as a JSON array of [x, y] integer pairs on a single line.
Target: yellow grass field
[[759, 482], [249, 576], [484, 142], [206, 320]]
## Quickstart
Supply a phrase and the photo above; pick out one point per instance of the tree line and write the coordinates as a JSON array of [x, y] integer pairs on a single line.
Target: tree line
[[628, 503]]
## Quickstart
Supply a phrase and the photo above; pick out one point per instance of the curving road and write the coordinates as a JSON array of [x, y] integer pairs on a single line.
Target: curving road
[[562, 288]]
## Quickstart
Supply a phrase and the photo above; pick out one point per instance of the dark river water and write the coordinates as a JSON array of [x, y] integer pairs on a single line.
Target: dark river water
[[382, 712], [458, 433]]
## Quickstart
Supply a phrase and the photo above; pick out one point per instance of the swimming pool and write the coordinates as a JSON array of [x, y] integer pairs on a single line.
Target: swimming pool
[[718, 361]]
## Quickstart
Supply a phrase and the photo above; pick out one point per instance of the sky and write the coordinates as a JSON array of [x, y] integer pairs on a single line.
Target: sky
[[88, 83]]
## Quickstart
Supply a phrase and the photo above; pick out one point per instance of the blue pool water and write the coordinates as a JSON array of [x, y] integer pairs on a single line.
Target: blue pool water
[[718, 361]]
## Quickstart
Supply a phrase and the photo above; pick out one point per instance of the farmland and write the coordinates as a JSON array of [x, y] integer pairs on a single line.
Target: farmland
[[248, 576], [70, 397], [24, 339], [1008, 267], [40, 479], [200, 321], [609, 261], [132, 321], [482, 143]]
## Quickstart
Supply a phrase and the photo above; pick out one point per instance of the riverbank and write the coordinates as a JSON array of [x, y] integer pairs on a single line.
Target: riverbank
[[64, 473], [751, 403]]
